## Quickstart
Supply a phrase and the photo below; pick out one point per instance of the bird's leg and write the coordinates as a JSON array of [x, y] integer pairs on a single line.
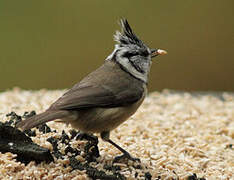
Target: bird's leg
[[105, 135], [124, 155]]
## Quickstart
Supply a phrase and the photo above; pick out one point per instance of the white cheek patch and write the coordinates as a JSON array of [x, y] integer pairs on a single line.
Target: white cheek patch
[[110, 57], [124, 62]]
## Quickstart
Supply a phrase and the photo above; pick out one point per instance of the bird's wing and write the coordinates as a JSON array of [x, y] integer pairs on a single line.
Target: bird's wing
[[97, 96]]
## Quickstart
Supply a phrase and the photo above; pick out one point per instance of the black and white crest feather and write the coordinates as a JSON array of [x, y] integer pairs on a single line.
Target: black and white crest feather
[[127, 36]]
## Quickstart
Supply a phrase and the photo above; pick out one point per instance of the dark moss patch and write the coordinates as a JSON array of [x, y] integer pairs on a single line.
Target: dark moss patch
[[64, 138], [55, 152], [29, 114], [194, 177], [14, 119], [73, 133], [14, 141], [91, 152], [112, 168], [91, 149], [31, 133], [136, 174], [93, 172], [148, 176], [229, 146], [72, 151], [44, 128]]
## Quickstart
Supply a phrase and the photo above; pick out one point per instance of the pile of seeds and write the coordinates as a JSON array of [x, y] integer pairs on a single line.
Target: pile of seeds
[[176, 136]]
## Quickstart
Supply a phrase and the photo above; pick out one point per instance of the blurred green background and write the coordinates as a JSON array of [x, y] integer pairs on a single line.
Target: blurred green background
[[54, 44]]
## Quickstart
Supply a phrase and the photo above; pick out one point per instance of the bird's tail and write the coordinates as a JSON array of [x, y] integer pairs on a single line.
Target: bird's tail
[[42, 118]]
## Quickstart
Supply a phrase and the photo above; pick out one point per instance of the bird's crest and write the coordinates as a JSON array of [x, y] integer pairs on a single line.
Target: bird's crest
[[127, 36]]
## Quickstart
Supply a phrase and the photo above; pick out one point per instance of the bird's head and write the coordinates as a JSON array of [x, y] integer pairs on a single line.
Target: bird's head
[[131, 53]]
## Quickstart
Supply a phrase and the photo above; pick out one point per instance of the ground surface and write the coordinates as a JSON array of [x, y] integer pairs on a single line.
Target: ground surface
[[175, 135]]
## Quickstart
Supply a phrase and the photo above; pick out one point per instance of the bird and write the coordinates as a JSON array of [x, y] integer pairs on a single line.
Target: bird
[[108, 96]]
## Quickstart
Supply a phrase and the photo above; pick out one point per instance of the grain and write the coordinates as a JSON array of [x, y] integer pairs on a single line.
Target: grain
[[174, 135]]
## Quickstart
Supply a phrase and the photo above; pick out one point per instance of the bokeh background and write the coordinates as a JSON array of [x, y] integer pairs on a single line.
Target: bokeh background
[[53, 44]]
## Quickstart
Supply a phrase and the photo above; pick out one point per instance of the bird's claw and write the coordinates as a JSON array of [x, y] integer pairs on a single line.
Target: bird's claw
[[125, 156]]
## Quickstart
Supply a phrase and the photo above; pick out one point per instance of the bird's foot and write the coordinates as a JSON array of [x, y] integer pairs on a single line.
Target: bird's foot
[[125, 156], [86, 136]]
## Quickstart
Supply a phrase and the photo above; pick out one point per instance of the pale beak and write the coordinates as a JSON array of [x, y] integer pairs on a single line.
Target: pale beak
[[155, 52]]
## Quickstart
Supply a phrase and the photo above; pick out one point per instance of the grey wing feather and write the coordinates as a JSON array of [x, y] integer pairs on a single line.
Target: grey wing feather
[[96, 96], [117, 88]]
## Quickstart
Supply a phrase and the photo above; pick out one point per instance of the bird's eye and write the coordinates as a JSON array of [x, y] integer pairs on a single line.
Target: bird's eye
[[130, 54], [145, 53]]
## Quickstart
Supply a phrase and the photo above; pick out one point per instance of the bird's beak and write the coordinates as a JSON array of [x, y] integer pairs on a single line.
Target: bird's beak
[[155, 52]]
